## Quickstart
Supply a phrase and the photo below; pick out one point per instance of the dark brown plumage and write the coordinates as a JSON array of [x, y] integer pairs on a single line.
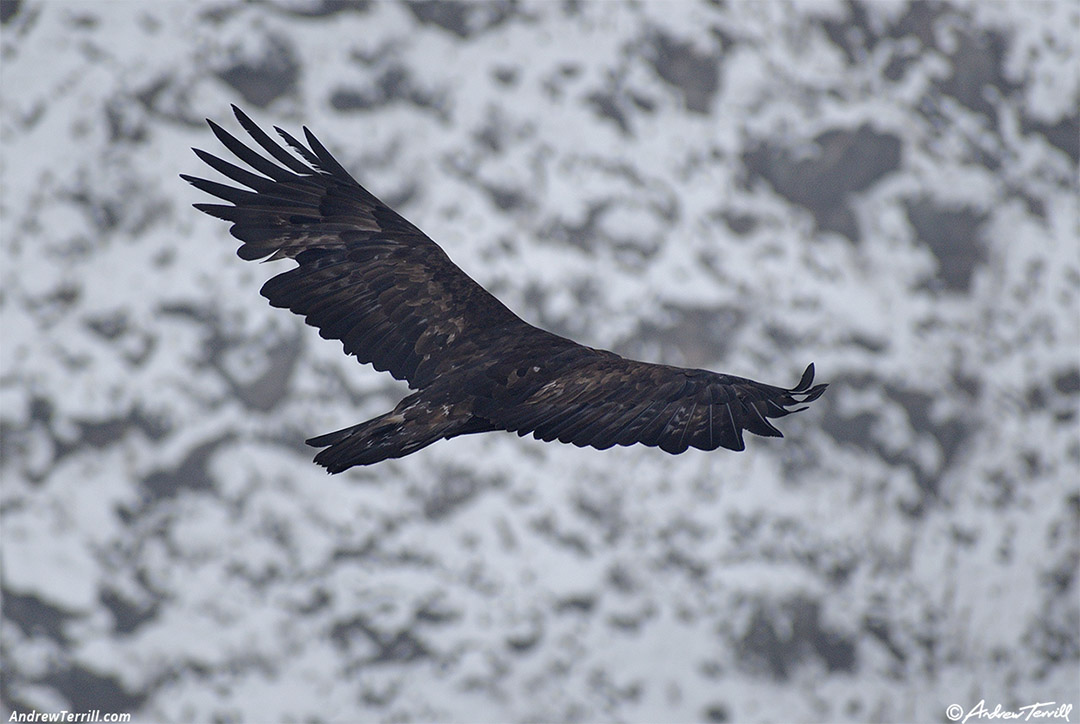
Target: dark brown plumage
[[369, 278]]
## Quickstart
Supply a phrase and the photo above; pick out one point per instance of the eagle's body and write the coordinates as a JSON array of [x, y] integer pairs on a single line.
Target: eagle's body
[[369, 278]]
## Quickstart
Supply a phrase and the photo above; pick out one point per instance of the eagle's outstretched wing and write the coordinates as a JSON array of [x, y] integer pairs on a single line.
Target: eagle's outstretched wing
[[366, 276], [615, 401], [369, 278]]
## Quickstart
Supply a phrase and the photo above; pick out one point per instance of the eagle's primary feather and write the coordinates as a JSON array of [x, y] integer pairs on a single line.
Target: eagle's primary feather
[[372, 280]]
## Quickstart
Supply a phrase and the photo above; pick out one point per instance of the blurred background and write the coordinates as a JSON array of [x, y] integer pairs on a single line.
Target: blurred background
[[887, 189]]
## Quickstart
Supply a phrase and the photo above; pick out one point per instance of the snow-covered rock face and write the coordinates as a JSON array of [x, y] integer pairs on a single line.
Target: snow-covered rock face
[[888, 190]]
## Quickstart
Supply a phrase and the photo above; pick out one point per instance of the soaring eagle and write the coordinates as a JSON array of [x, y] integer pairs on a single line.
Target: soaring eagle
[[371, 279]]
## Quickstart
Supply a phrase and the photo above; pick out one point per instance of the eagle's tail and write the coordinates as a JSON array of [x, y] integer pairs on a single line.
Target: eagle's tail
[[413, 425], [363, 444]]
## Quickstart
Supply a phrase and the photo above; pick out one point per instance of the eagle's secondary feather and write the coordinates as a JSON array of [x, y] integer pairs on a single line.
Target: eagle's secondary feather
[[392, 296]]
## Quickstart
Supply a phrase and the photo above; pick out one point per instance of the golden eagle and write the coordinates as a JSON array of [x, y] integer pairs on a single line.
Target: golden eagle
[[371, 279]]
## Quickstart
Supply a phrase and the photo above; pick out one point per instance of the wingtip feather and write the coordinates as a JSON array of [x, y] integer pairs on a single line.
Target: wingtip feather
[[244, 118]]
